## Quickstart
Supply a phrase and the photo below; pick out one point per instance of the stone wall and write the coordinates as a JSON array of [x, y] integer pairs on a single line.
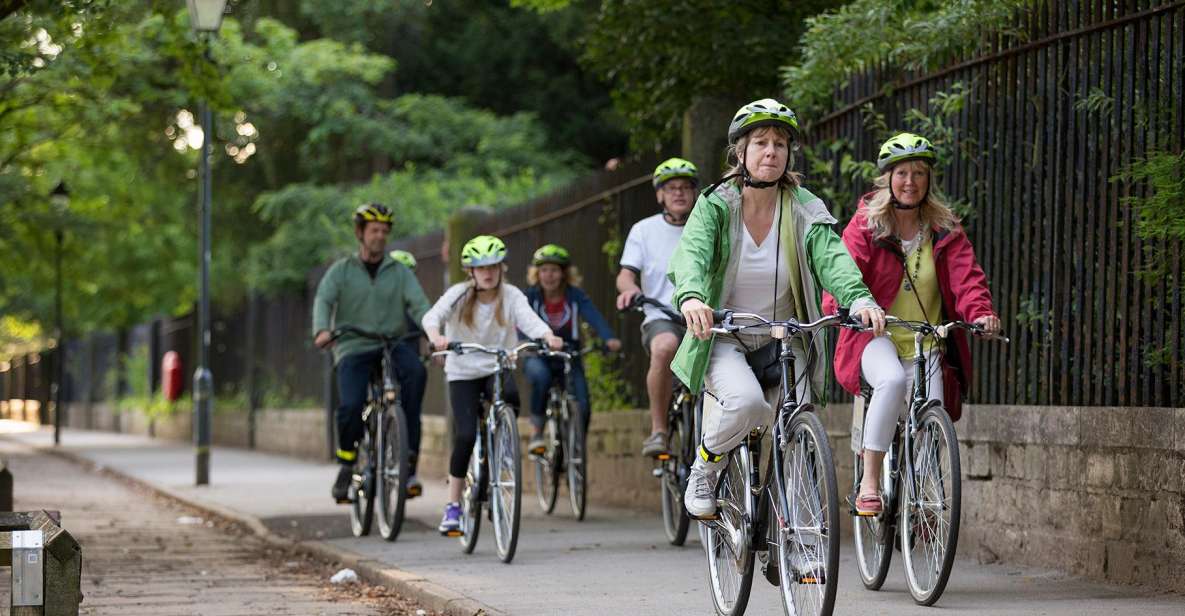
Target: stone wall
[[1098, 492]]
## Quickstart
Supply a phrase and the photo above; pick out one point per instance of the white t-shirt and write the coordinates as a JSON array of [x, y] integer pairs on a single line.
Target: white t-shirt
[[648, 249], [753, 288]]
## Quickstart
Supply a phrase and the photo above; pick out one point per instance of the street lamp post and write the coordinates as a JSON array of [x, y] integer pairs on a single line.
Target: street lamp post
[[205, 18], [60, 197]]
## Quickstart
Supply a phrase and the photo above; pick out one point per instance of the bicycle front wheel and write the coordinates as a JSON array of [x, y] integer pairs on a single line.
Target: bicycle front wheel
[[362, 486], [394, 470], [930, 503], [471, 498], [576, 455], [808, 540], [728, 539], [507, 487], [674, 473], [874, 534], [547, 473]]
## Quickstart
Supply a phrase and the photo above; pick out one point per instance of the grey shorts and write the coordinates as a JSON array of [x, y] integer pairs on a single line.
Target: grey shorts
[[651, 330]]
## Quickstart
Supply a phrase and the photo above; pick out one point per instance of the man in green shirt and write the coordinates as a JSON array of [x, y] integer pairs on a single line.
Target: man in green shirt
[[373, 292]]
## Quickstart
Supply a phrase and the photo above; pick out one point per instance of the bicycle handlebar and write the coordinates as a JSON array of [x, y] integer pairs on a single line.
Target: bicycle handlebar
[[778, 329], [942, 330], [641, 300], [342, 330]]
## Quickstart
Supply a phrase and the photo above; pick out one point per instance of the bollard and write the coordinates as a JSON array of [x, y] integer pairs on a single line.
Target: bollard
[[5, 487], [46, 564]]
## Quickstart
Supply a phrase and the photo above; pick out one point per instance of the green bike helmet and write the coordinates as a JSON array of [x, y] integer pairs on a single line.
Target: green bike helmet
[[672, 168], [765, 112], [483, 250], [552, 253], [372, 212], [903, 147], [405, 258]]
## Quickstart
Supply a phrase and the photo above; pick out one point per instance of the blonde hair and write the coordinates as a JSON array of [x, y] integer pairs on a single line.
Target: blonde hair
[[934, 212], [572, 276], [736, 151], [469, 301]]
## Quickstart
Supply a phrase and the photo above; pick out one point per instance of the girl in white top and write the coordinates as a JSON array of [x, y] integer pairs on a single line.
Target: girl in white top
[[484, 310]]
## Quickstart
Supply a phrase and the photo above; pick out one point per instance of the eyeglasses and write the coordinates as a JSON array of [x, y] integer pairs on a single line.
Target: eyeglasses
[[676, 189]]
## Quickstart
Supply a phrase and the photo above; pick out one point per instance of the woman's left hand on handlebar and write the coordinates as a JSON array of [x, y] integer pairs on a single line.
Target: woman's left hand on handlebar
[[990, 323], [874, 318]]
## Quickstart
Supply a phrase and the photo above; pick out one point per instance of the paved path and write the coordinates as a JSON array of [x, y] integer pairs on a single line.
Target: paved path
[[144, 555], [613, 562]]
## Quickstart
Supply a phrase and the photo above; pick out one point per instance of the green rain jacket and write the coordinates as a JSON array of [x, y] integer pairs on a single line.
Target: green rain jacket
[[705, 263], [348, 296]]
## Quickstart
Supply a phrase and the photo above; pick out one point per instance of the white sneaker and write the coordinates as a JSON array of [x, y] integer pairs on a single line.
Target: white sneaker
[[700, 498]]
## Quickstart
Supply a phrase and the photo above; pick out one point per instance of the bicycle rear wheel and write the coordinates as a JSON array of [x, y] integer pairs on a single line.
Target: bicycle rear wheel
[[674, 473], [363, 484], [471, 498], [576, 456], [507, 488], [394, 470], [808, 546], [930, 506], [727, 540], [547, 473], [873, 534]]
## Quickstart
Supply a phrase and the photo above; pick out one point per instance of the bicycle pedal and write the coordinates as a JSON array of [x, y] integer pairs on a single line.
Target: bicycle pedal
[[454, 533], [811, 579], [663, 457], [711, 517], [414, 491], [344, 501]]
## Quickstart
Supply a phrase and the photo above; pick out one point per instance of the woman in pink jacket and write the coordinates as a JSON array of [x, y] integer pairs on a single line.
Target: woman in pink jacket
[[918, 262]]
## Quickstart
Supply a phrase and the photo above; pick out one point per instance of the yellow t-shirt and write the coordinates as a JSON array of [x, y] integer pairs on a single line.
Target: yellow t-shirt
[[920, 265]]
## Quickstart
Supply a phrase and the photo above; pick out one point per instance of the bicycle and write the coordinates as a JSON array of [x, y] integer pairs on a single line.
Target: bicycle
[[683, 417], [565, 441], [498, 482], [926, 494], [384, 446], [802, 500]]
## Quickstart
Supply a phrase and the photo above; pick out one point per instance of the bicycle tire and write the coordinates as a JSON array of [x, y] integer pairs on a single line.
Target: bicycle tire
[[730, 595], [674, 478], [936, 473], [812, 496], [362, 485], [575, 455], [394, 469], [506, 489], [547, 472], [873, 535], [471, 499]]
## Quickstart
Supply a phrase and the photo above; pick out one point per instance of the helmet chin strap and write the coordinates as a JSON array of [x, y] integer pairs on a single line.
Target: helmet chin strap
[[672, 219], [752, 183]]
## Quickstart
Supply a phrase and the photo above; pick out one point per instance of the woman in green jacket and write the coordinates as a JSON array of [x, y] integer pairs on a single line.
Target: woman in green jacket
[[756, 242]]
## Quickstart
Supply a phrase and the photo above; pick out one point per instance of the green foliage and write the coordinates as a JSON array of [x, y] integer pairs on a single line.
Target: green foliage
[[911, 34], [607, 388], [661, 56], [1160, 210]]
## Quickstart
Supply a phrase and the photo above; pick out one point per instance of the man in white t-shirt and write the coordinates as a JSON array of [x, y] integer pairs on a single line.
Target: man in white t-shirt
[[647, 249]]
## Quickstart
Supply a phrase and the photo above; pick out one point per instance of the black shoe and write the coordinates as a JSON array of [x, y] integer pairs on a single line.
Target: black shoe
[[341, 485]]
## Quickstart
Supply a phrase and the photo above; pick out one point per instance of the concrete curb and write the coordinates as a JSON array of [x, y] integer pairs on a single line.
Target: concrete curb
[[432, 595]]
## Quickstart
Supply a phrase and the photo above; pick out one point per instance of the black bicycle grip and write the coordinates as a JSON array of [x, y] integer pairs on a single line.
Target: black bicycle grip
[[454, 346], [718, 316]]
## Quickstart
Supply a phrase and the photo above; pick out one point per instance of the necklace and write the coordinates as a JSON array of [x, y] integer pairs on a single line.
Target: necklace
[[917, 262]]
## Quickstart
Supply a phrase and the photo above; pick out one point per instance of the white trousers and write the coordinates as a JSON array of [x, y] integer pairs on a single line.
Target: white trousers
[[891, 379], [735, 403]]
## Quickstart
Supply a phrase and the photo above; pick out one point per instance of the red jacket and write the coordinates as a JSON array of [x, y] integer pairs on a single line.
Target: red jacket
[[962, 284]]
